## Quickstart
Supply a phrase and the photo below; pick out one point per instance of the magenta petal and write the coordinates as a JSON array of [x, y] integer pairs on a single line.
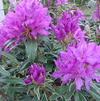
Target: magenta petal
[[28, 80], [35, 75], [65, 78], [40, 79], [79, 83], [57, 74], [79, 34], [34, 34], [91, 60], [87, 83], [43, 70], [43, 32], [91, 48]]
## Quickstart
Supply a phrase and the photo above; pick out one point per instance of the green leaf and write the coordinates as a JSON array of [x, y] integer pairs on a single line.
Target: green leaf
[[35, 98], [49, 66], [70, 92], [26, 98], [61, 89], [14, 80], [13, 90], [95, 91], [49, 87], [19, 89], [37, 92], [44, 98], [3, 71], [93, 85], [24, 65], [79, 97], [10, 93], [9, 43], [68, 95], [95, 94], [97, 84], [54, 97], [31, 49], [9, 56]]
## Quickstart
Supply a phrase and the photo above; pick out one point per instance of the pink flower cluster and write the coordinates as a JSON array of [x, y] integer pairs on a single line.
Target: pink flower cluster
[[28, 19], [80, 63], [68, 24], [36, 74]]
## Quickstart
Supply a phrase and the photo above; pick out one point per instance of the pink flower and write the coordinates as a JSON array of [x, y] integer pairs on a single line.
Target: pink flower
[[68, 24], [36, 74], [80, 63], [28, 19]]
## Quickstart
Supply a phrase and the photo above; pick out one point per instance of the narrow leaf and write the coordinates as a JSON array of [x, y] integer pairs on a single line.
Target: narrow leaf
[[53, 97], [14, 80], [3, 71], [79, 97], [9, 56], [31, 49]]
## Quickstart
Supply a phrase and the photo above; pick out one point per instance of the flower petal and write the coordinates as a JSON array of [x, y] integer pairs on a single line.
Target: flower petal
[[40, 79], [28, 80], [87, 83], [65, 78], [79, 83]]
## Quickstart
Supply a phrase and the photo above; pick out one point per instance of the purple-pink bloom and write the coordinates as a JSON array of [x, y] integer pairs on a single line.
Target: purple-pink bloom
[[36, 74], [80, 62], [68, 24], [96, 14], [28, 19]]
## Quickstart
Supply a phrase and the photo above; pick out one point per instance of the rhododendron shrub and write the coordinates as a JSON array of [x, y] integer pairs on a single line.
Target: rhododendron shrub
[[50, 51], [79, 62], [28, 19], [68, 25]]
